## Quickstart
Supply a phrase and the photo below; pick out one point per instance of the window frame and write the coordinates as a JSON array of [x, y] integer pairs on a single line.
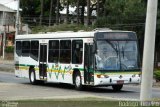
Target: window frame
[[80, 56], [20, 50], [64, 50], [32, 55], [53, 49], [27, 53]]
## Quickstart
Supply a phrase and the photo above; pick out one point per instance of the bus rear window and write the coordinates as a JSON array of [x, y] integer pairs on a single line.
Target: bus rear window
[[19, 48]]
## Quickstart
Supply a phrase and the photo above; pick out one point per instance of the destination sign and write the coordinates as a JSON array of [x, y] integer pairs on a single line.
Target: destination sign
[[116, 35]]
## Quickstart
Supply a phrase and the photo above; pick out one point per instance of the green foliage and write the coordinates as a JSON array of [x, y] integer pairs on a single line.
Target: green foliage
[[122, 12], [157, 75], [9, 49], [123, 15], [61, 27]]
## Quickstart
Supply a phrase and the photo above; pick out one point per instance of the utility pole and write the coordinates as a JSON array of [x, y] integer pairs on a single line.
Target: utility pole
[[4, 34], [17, 18], [148, 53]]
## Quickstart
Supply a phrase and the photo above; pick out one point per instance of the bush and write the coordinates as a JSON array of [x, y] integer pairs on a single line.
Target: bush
[[157, 75], [9, 49], [61, 27]]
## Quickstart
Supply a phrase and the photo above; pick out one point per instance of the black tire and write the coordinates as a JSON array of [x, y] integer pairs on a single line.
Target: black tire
[[117, 87], [32, 77], [78, 81]]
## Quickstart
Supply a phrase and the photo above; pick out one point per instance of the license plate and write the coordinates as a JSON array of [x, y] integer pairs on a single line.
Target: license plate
[[120, 81]]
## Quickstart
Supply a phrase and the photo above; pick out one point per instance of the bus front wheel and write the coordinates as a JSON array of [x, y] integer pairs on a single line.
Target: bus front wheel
[[78, 81], [32, 77], [117, 87]]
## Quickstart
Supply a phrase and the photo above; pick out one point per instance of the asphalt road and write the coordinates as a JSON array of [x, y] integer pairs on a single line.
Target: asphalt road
[[13, 88]]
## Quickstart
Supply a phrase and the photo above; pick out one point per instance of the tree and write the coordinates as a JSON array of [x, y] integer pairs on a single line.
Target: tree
[[88, 12], [66, 4], [77, 11], [42, 12], [57, 12], [51, 11], [82, 10], [98, 8], [118, 13], [67, 12]]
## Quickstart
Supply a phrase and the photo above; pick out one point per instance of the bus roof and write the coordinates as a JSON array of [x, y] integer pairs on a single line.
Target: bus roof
[[67, 34]]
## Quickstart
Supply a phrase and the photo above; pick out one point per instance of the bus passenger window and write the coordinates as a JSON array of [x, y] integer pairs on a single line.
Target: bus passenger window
[[77, 51], [53, 54], [19, 48], [25, 48], [65, 51], [34, 50]]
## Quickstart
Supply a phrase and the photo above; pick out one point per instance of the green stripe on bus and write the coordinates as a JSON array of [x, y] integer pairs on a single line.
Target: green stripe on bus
[[114, 73], [23, 65]]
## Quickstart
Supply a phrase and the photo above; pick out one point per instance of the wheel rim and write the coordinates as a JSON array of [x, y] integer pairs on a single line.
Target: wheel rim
[[78, 81], [32, 77]]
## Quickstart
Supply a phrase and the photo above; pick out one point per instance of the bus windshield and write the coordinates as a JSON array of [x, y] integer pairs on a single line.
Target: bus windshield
[[116, 55]]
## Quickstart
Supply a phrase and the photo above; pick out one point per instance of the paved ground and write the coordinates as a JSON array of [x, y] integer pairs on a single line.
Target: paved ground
[[12, 88]]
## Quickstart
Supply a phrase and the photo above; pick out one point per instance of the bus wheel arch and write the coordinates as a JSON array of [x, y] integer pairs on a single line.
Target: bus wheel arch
[[77, 81]]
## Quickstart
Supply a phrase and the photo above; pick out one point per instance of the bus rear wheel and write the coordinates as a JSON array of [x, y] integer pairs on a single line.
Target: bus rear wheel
[[117, 87], [32, 77], [78, 81]]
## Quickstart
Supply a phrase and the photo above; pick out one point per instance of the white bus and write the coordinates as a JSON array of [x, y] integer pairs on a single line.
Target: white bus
[[96, 58]]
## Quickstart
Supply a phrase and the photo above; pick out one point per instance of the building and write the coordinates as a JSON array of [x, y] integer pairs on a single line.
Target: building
[[8, 9]]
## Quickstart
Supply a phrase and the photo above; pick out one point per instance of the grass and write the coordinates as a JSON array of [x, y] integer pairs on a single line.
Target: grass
[[78, 102], [68, 104], [87, 102]]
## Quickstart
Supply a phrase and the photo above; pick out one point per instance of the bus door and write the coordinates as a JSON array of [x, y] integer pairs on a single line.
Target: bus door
[[43, 61], [88, 64]]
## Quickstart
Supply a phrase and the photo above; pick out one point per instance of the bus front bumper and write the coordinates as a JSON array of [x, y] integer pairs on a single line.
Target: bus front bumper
[[116, 80]]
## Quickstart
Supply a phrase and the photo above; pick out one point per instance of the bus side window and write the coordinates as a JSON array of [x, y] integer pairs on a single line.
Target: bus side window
[[34, 50], [53, 54], [19, 48], [65, 51], [77, 51], [25, 48]]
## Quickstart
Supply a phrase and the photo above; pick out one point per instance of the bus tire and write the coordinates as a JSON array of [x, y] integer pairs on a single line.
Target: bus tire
[[32, 76], [77, 81], [117, 87]]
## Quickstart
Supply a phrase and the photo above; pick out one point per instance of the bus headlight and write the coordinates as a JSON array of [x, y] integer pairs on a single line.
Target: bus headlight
[[102, 76]]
